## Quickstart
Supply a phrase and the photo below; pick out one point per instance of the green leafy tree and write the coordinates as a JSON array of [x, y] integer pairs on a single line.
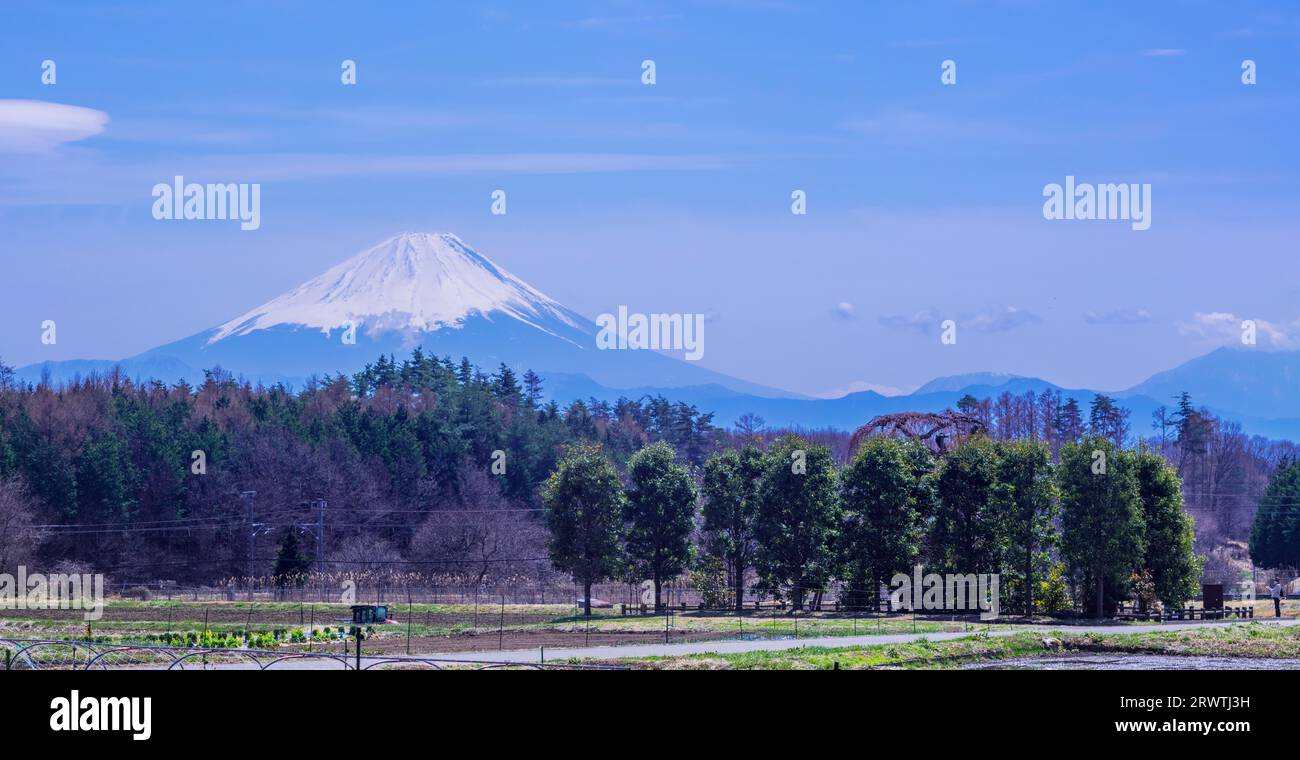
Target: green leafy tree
[[730, 509], [710, 579], [798, 518], [1029, 514], [882, 527], [584, 513], [1169, 557], [1275, 534], [1102, 525], [660, 515], [966, 534]]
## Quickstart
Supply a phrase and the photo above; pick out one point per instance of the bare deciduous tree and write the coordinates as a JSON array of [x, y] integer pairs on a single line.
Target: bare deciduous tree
[[19, 538]]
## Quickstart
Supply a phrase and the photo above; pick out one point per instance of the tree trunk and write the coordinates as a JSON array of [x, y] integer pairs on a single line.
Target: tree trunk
[[738, 576], [658, 584], [1029, 581], [1101, 585], [586, 600]]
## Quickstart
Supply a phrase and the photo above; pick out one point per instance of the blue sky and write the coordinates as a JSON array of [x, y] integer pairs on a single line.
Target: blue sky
[[924, 200]]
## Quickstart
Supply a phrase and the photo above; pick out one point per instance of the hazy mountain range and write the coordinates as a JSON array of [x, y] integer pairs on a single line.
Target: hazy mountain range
[[435, 291]]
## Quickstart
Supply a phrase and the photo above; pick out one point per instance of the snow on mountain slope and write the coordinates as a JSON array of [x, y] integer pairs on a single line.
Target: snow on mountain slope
[[414, 282], [426, 290]]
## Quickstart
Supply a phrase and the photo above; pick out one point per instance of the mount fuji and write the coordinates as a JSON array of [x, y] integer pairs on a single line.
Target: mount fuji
[[434, 291], [430, 290]]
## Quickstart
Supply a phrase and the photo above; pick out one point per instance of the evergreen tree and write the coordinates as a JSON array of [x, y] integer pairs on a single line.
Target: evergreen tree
[[1275, 534], [505, 387], [1069, 421], [532, 388], [798, 518], [882, 527], [660, 515], [1102, 525], [966, 535], [730, 493], [1029, 514], [290, 564], [584, 513], [1108, 420], [1169, 554]]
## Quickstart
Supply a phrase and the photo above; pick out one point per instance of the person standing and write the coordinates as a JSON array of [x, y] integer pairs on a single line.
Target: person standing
[[1276, 591]]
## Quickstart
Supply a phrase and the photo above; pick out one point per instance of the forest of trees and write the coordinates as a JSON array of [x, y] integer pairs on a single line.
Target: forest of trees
[[434, 467], [144, 481]]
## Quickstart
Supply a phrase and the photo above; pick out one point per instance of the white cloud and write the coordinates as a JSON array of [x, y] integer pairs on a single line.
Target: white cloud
[[1163, 52], [845, 311], [35, 126], [991, 320], [997, 319], [1224, 328]]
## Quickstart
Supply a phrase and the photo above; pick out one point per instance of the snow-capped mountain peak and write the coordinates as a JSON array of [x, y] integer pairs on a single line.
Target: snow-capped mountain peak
[[413, 282]]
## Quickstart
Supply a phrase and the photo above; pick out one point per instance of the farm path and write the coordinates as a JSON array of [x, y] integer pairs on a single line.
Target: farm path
[[759, 645]]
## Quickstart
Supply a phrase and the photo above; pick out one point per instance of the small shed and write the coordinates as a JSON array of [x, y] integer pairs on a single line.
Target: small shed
[[369, 614]]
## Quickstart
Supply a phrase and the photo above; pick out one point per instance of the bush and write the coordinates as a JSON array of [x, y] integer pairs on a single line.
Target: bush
[[1053, 595], [710, 579]]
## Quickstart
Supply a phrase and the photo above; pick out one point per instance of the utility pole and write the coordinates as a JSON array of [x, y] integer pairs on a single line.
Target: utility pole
[[248, 497], [317, 531], [320, 535]]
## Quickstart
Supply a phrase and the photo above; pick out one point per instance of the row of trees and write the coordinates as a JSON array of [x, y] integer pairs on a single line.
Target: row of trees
[[1109, 521], [1224, 471]]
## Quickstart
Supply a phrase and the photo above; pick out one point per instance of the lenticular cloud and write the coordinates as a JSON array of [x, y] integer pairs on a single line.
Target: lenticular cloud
[[35, 126]]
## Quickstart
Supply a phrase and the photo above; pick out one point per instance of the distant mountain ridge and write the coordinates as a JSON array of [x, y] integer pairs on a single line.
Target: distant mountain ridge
[[435, 291], [415, 289]]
